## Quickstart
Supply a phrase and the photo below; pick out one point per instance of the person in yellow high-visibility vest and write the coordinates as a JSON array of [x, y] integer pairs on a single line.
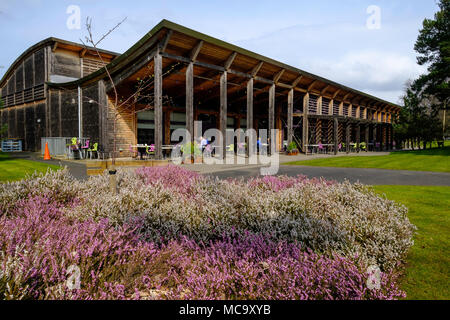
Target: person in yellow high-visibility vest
[[363, 146]]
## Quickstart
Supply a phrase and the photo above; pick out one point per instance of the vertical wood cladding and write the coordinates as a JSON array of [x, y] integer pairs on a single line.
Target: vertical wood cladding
[[65, 63], [12, 123], [90, 114], [30, 124], [20, 123], [125, 128], [39, 67], [54, 113], [19, 79], [12, 85], [40, 126], [69, 113], [5, 120], [29, 79]]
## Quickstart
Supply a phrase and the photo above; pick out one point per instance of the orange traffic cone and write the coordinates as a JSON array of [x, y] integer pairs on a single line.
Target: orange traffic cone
[[47, 152]]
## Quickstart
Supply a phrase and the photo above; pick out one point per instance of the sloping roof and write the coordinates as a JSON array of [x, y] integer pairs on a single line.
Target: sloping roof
[[124, 59], [42, 44]]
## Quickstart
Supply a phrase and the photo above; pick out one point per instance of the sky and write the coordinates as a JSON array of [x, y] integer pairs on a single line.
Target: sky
[[346, 41]]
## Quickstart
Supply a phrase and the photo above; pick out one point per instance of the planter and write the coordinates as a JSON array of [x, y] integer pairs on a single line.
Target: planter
[[293, 153]]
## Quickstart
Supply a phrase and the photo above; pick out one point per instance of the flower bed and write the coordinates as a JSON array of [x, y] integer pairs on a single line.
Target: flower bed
[[172, 234]]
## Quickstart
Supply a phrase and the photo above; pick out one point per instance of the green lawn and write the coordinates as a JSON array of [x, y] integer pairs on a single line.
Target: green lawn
[[428, 270], [16, 169], [423, 160]]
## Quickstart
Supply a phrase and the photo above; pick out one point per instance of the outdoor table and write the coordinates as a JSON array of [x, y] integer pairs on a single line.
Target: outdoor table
[[168, 148], [142, 148]]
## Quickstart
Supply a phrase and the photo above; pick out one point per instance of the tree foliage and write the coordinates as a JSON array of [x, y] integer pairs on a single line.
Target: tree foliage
[[416, 121], [430, 93], [433, 48]]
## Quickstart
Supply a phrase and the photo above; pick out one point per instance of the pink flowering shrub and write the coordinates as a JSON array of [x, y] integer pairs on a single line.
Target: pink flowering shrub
[[39, 244], [170, 233], [172, 177]]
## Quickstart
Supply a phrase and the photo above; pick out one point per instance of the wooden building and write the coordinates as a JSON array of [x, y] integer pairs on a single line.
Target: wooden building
[[195, 77]]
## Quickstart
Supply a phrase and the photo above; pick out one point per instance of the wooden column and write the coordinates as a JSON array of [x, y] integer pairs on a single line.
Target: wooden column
[[305, 123], [358, 136], [366, 132], [223, 111], [250, 139], [347, 137], [167, 127], [250, 104], [271, 116], [374, 136], [190, 100], [319, 105], [290, 117], [335, 135], [158, 105]]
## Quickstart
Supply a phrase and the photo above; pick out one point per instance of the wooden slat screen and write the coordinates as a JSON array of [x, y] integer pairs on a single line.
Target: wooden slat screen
[[346, 107], [312, 104], [336, 108], [325, 106], [91, 65]]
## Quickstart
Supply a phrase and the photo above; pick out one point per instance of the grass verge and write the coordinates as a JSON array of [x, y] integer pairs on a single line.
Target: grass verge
[[12, 169], [437, 160], [428, 269]]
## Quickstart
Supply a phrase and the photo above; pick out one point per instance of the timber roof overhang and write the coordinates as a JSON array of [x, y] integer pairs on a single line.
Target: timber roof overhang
[[222, 56], [55, 43]]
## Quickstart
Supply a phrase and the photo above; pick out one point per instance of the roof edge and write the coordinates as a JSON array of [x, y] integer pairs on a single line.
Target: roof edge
[[201, 36]]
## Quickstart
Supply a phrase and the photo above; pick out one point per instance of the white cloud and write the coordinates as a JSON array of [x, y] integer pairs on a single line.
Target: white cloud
[[370, 70]]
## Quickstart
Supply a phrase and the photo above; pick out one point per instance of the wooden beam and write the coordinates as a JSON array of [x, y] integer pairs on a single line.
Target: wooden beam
[[55, 46], [290, 118], [347, 137], [256, 69], [165, 42], [271, 115], [366, 136], [158, 105], [336, 135], [278, 76], [190, 100], [305, 124], [358, 136], [83, 53], [336, 93], [345, 97], [250, 104], [230, 60], [223, 112], [296, 81], [324, 90], [194, 53], [312, 85]]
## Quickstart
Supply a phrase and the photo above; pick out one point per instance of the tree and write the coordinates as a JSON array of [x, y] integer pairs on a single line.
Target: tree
[[416, 122], [433, 47], [139, 93]]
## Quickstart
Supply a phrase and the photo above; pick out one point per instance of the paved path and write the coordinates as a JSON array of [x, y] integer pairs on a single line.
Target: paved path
[[365, 176], [76, 168]]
